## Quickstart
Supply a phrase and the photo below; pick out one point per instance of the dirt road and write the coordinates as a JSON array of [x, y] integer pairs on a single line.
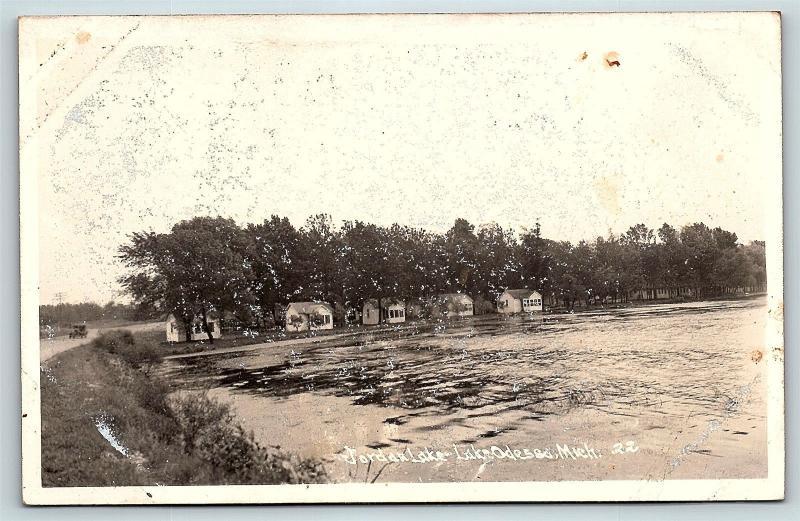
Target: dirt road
[[49, 347]]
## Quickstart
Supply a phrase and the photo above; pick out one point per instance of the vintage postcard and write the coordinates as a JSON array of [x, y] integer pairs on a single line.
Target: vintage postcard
[[401, 258]]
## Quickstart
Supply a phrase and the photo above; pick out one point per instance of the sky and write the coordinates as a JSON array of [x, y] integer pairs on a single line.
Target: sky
[[135, 123]]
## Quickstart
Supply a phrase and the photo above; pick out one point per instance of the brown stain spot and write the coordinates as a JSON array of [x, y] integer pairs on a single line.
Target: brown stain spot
[[778, 312], [612, 59], [757, 356], [584, 55], [83, 37], [608, 195], [720, 157]]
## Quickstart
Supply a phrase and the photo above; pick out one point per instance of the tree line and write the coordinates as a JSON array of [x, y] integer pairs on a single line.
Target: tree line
[[207, 264], [66, 313]]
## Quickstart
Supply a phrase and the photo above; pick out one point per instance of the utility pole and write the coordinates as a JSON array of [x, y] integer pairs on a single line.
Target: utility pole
[[59, 298]]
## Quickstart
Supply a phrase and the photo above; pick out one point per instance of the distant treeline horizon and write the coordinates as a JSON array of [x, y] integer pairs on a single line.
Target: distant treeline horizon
[[212, 264], [69, 313]]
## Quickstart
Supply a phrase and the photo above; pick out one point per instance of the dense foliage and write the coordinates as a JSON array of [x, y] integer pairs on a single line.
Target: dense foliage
[[213, 264]]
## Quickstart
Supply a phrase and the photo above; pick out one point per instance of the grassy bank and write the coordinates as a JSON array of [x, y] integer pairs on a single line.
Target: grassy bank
[[107, 420]]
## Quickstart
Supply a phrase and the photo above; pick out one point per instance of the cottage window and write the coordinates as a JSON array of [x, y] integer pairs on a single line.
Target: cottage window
[[402, 313], [198, 328], [172, 327], [211, 327], [327, 319]]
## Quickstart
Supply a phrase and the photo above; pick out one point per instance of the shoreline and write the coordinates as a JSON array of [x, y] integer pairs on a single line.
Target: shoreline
[[421, 325]]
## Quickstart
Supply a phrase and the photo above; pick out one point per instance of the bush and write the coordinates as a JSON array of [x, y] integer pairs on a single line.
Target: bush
[[211, 434], [123, 343], [115, 341], [483, 306]]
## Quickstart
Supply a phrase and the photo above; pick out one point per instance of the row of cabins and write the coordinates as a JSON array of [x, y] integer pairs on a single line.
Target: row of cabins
[[313, 316], [305, 316]]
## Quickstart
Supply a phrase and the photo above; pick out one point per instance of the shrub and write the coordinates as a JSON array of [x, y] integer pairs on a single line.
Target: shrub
[[115, 341], [142, 354], [483, 306], [124, 344], [211, 434]]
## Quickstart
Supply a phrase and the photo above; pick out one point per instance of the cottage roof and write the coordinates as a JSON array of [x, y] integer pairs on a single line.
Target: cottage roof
[[385, 302], [459, 298], [521, 293], [211, 315], [310, 307]]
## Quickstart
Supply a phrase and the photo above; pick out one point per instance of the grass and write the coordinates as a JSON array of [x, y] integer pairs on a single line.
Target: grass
[[107, 420]]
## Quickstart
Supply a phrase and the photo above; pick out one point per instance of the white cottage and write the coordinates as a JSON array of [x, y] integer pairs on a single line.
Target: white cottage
[[454, 304], [388, 310], [176, 330], [309, 316], [519, 301], [394, 310]]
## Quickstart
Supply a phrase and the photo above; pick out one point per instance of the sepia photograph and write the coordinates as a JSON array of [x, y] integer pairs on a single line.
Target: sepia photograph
[[401, 258]]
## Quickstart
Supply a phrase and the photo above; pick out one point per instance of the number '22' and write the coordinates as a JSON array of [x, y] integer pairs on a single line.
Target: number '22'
[[627, 448]]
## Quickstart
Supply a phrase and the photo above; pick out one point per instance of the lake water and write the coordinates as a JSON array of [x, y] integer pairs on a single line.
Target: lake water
[[655, 379]]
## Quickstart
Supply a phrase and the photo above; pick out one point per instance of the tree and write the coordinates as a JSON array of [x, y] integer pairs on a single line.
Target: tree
[[461, 246], [672, 255], [369, 273], [322, 251], [701, 255], [607, 266], [496, 257], [535, 261], [279, 267], [199, 267], [638, 242]]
